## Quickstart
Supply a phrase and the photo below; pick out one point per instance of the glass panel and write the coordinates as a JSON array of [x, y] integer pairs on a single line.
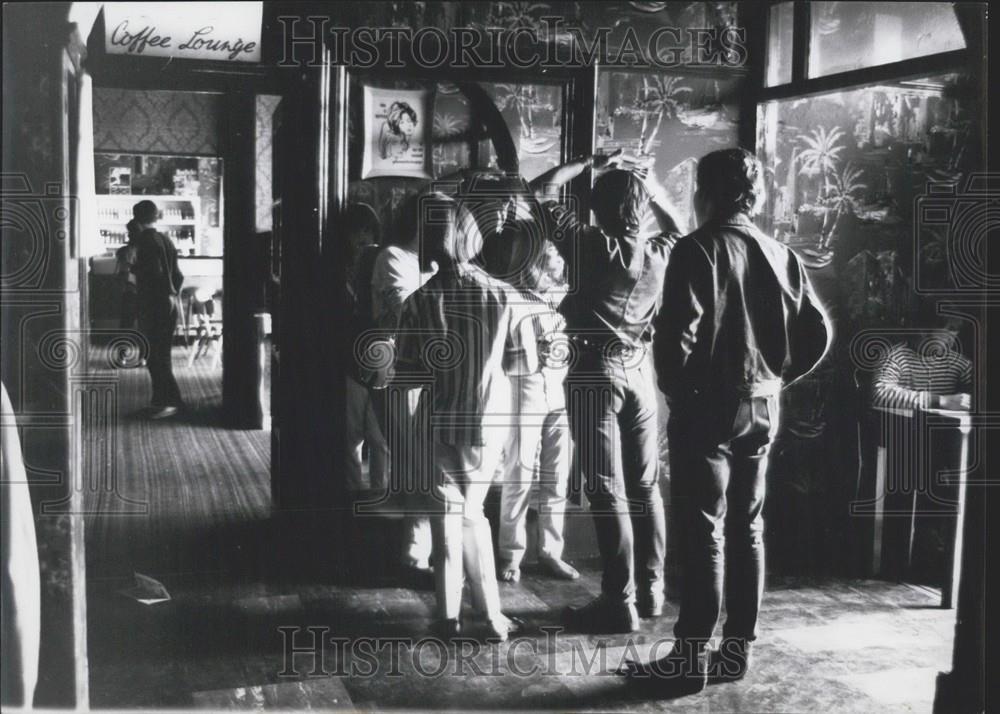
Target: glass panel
[[187, 190], [847, 35], [779, 44], [843, 171], [533, 113], [671, 120]]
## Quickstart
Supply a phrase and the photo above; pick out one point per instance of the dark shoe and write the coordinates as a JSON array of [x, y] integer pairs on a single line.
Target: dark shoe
[[682, 672], [558, 568], [448, 629], [650, 603], [418, 578], [731, 661], [600, 616]]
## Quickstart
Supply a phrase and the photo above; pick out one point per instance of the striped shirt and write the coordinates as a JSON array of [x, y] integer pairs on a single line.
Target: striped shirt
[[542, 325], [461, 330], [908, 380]]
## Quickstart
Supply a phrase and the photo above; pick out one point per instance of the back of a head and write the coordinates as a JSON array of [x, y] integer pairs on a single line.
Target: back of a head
[[731, 181], [436, 219], [145, 212], [517, 254], [488, 197], [619, 201]]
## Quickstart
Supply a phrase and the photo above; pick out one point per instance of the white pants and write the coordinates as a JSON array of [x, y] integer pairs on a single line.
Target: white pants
[[463, 542], [407, 438], [541, 435], [362, 425]]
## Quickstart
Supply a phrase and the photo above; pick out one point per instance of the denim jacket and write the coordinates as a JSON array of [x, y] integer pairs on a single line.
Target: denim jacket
[[739, 316], [615, 283]]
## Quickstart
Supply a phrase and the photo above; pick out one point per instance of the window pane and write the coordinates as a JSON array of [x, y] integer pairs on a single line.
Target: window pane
[[847, 35], [844, 169], [779, 44], [533, 113], [669, 121]]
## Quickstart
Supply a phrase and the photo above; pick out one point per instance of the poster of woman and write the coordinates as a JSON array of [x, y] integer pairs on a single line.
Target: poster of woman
[[397, 125]]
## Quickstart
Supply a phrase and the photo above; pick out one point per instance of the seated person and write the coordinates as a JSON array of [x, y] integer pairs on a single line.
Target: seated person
[[934, 376]]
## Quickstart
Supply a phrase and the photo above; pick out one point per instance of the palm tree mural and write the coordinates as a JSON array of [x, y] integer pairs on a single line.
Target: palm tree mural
[[448, 130], [658, 97], [821, 154], [526, 100], [845, 196], [513, 15]]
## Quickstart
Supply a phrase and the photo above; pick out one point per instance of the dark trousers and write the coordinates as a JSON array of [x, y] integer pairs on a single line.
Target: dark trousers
[[157, 321], [611, 403], [718, 460]]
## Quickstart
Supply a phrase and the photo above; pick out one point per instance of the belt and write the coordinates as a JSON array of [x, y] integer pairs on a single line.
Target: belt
[[613, 347], [768, 388]]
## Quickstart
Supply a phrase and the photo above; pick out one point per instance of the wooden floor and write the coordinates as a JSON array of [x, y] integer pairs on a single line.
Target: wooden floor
[[171, 496], [223, 640]]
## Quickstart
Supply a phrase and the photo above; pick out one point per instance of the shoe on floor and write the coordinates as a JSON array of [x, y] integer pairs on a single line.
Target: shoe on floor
[[558, 568], [163, 412], [650, 603], [599, 616], [682, 672], [731, 662], [448, 629], [501, 629]]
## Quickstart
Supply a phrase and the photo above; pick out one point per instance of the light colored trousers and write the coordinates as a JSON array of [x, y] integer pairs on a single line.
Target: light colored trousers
[[463, 542], [540, 436], [407, 437]]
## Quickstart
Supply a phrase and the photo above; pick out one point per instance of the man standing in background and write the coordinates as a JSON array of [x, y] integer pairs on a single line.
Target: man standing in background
[[158, 279]]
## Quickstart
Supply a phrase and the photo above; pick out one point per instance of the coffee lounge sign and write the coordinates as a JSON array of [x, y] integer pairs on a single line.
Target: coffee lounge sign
[[226, 31]]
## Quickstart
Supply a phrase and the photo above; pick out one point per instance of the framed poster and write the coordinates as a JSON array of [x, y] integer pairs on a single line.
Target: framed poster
[[396, 129]]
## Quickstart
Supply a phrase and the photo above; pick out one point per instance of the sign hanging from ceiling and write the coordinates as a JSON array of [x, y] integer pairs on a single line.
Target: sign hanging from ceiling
[[226, 31]]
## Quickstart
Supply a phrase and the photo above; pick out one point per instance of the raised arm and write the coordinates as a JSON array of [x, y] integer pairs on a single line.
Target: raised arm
[[661, 208], [546, 187]]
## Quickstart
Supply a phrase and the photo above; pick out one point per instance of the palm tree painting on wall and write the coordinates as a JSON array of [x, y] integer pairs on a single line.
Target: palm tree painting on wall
[[533, 114], [667, 121]]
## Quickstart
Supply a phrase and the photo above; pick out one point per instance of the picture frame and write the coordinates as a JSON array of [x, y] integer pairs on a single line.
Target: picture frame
[[397, 130]]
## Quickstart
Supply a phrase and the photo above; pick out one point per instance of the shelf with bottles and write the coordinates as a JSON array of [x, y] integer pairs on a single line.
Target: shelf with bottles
[[116, 210], [185, 238]]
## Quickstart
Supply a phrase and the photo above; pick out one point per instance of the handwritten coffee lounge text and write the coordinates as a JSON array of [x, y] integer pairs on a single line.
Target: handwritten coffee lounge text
[[199, 41]]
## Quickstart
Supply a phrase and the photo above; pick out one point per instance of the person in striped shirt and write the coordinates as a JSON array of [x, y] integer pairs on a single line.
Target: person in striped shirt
[[933, 376], [460, 331], [541, 432]]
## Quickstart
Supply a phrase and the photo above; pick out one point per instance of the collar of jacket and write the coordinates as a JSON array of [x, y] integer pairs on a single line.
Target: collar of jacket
[[737, 219]]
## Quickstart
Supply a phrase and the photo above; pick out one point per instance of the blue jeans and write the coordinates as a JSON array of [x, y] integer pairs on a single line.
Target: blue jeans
[[718, 460], [611, 403]]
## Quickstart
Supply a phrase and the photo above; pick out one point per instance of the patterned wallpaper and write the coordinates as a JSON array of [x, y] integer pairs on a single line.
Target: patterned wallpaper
[[265, 107], [156, 121]]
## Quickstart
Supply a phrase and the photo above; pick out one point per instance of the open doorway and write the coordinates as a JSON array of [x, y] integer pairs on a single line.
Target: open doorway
[[188, 494]]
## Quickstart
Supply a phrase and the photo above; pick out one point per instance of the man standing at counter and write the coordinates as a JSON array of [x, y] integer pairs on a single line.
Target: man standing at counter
[[159, 280]]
